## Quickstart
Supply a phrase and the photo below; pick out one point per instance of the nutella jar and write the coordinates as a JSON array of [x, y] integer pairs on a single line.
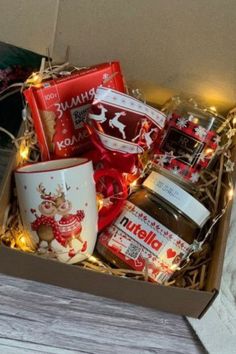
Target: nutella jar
[[155, 230]]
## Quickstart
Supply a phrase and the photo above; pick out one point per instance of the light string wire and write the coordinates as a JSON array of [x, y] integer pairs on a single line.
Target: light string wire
[[225, 152], [29, 142], [29, 135]]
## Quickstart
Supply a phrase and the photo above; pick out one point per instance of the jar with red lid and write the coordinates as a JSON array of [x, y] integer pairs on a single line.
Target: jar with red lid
[[155, 230]]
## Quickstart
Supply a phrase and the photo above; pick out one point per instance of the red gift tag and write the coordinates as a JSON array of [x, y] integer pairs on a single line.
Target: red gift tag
[[59, 108]]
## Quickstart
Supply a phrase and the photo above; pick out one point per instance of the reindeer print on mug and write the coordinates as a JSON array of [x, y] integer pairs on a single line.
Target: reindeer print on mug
[[57, 228], [145, 134], [100, 118], [113, 122]]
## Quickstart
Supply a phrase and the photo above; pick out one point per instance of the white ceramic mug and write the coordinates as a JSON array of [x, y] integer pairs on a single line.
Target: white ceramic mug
[[58, 206]]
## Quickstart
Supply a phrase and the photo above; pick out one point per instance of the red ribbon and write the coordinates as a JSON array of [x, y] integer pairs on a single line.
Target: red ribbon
[[123, 162]]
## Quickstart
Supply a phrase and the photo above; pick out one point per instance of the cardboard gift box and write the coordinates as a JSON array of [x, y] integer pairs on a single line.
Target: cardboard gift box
[[181, 301], [183, 65]]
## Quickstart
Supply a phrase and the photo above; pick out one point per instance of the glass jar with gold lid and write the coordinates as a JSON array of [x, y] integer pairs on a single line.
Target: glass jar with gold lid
[[192, 136]]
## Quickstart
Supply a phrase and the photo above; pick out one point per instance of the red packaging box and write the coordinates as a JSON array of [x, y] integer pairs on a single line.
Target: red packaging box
[[59, 108]]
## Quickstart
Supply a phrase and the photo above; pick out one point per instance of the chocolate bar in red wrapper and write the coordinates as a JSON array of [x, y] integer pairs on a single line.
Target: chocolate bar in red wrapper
[[59, 108], [124, 126]]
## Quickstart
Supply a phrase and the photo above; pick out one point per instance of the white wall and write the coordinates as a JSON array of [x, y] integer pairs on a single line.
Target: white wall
[[186, 45]]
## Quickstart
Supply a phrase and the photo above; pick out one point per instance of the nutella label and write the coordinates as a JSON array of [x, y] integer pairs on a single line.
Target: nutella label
[[142, 242]]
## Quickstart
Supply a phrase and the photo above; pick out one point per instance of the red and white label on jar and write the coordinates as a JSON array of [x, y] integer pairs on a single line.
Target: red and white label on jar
[[187, 148], [141, 241]]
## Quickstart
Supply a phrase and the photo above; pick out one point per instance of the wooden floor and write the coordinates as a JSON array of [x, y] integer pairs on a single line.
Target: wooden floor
[[39, 318]]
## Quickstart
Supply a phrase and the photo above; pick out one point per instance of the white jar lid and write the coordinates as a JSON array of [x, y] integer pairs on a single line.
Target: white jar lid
[[177, 197]]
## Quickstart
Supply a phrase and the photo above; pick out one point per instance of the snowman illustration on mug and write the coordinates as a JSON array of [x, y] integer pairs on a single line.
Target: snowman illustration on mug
[[58, 230]]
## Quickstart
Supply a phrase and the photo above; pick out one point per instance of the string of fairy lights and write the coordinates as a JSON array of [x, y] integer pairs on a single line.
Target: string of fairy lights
[[12, 232]]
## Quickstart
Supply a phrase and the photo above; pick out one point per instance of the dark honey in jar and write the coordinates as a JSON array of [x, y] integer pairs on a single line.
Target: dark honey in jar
[[155, 229]]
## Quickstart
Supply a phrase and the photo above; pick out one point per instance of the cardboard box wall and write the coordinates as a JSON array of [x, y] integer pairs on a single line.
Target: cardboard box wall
[[185, 45], [178, 44]]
